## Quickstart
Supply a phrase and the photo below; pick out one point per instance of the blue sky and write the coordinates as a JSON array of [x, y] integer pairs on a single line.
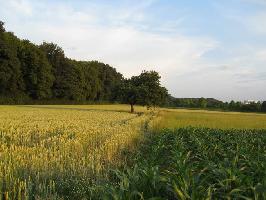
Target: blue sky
[[207, 48]]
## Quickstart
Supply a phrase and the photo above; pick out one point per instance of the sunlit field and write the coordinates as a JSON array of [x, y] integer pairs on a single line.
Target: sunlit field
[[105, 152], [132, 100], [70, 148], [176, 118]]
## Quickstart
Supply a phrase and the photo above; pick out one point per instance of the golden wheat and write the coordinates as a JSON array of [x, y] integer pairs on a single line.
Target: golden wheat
[[42, 146]]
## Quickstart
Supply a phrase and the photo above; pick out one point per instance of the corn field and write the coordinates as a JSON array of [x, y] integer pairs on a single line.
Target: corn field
[[196, 163]]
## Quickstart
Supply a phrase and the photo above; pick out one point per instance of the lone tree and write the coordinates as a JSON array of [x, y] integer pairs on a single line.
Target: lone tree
[[144, 89]]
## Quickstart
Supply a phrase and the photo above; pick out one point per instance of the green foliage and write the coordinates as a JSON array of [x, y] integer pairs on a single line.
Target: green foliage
[[203, 103], [194, 102], [43, 72], [193, 163], [36, 71], [214, 104], [11, 81], [56, 58], [263, 106], [144, 89]]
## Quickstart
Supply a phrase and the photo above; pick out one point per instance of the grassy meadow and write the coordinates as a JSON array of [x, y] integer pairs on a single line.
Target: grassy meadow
[[105, 152], [178, 118]]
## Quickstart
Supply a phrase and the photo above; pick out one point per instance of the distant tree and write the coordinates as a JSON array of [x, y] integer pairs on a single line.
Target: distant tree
[[2, 28], [251, 107], [144, 89], [225, 106], [232, 105], [238, 106], [263, 106], [202, 103]]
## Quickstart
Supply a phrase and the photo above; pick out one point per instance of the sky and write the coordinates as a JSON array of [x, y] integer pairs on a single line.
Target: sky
[[206, 48]]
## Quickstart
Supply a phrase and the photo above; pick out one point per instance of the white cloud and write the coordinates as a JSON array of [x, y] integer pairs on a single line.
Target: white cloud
[[257, 23], [261, 55], [19, 6], [125, 47], [128, 49]]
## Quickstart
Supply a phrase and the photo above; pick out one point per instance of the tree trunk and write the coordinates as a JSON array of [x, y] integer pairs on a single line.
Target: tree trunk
[[132, 108]]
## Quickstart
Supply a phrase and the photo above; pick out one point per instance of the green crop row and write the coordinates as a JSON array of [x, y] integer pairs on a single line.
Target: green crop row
[[195, 163]]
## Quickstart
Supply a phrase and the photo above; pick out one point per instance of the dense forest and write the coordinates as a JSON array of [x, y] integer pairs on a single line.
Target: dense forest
[[43, 72]]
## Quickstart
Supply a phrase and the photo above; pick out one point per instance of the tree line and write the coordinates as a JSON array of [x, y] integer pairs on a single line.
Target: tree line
[[211, 103], [42, 74], [34, 73]]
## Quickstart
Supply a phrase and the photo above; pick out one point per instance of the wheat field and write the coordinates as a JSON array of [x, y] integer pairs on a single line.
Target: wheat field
[[70, 148], [178, 118]]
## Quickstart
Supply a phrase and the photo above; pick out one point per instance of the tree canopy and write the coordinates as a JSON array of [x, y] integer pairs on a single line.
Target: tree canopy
[[210, 103], [43, 72], [263, 106], [144, 89]]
